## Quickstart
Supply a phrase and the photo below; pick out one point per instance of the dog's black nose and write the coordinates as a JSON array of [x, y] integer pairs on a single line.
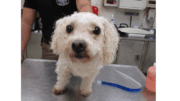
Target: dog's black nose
[[78, 46]]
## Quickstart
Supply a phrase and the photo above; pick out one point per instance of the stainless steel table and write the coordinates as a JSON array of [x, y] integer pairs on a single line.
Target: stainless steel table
[[38, 78]]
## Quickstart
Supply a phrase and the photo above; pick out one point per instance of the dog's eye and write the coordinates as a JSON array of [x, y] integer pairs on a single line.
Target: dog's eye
[[97, 31], [69, 29]]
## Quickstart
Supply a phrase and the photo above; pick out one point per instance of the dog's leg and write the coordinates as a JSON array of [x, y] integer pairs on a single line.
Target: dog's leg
[[63, 77], [86, 85]]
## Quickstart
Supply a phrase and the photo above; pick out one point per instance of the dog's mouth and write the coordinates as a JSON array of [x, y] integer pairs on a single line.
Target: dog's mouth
[[79, 56], [83, 57]]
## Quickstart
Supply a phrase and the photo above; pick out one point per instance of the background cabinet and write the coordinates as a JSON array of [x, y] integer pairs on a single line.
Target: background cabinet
[[130, 52], [140, 53], [149, 56], [34, 48]]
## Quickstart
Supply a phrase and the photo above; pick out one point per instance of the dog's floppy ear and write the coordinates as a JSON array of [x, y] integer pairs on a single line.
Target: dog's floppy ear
[[55, 36], [111, 40]]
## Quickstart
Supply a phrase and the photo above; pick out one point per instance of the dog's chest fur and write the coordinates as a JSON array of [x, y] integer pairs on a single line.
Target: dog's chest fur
[[85, 69]]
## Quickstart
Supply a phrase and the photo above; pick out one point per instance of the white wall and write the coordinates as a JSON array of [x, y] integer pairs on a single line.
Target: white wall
[[119, 15]]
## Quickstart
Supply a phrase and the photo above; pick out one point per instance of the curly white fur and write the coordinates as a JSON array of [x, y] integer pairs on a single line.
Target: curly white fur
[[101, 49]]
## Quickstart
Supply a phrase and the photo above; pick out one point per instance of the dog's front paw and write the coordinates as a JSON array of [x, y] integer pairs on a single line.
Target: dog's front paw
[[85, 92], [58, 91], [59, 88]]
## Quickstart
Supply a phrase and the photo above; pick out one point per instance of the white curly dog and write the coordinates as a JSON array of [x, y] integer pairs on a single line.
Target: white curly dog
[[84, 42]]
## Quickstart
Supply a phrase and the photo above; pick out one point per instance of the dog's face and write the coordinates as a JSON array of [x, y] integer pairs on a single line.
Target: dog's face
[[83, 37]]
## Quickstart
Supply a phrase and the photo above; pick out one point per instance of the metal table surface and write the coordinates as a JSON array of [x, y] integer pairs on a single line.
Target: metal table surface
[[38, 78]]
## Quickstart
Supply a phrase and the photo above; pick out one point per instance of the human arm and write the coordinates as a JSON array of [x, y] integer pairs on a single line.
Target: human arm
[[84, 6], [26, 25]]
